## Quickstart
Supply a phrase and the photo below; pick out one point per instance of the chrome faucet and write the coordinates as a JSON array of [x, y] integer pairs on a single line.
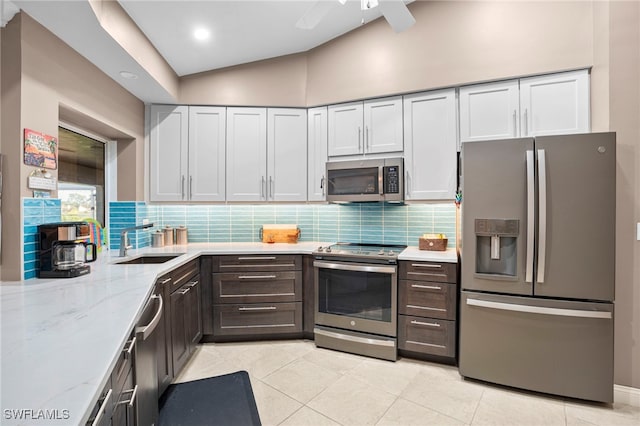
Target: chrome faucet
[[124, 238]]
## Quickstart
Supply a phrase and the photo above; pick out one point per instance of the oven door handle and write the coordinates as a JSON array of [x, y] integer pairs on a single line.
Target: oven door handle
[[355, 267]]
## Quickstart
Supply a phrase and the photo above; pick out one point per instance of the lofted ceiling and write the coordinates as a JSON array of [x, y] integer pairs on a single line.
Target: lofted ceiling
[[240, 31]]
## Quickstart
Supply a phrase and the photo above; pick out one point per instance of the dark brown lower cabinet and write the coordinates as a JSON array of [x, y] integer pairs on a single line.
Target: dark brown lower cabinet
[[186, 322], [164, 357], [426, 335]]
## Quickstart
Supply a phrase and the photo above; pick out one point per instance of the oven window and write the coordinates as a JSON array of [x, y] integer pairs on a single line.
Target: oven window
[[353, 181], [356, 294]]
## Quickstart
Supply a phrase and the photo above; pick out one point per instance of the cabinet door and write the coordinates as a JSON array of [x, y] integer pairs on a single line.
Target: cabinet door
[[163, 340], [194, 311], [489, 111], [286, 154], [180, 340], [246, 154], [383, 125], [555, 104], [345, 129], [168, 147], [430, 159], [207, 153], [317, 153]]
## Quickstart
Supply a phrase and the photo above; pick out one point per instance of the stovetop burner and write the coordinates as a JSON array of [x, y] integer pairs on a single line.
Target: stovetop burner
[[364, 252]]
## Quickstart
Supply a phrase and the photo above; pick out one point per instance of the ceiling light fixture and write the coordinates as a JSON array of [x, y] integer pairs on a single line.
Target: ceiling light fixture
[[201, 34], [128, 75]]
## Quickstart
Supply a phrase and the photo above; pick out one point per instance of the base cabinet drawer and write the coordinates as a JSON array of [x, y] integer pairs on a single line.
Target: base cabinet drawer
[[428, 299], [426, 335], [428, 271], [257, 318], [258, 263], [257, 287]]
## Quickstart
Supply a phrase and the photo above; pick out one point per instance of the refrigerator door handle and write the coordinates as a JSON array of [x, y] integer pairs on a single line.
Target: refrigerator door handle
[[530, 216], [542, 214], [539, 309]]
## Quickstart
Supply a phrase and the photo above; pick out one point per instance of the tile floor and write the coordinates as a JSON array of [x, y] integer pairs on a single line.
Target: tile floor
[[297, 384]]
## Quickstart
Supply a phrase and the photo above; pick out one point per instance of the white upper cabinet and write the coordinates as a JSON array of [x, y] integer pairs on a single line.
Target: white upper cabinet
[[207, 153], [286, 154], [383, 125], [345, 129], [545, 105], [368, 127], [555, 104], [266, 154], [187, 146], [246, 154], [168, 163], [489, 111], [317, 153], [430, 158]]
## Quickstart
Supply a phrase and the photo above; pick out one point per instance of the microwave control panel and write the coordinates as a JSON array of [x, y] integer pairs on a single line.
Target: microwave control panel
[[391, 180]]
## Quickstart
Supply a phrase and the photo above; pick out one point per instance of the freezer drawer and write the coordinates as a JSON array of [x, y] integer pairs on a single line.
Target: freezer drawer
[[557, 347]]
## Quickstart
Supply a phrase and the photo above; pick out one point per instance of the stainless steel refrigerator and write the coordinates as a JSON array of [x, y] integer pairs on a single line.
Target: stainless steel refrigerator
[[538, 260]]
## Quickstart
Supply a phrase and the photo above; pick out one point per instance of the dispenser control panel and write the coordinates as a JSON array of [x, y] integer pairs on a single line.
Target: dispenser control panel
[[502, 227]]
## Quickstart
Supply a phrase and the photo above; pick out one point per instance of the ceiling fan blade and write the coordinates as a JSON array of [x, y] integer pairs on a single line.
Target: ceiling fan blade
[[397, 14], [314, 15]]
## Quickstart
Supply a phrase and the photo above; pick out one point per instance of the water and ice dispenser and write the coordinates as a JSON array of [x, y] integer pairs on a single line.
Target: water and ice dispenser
[[497, 248]]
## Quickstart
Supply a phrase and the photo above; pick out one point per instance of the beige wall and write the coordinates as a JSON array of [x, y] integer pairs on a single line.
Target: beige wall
[[42, 80]]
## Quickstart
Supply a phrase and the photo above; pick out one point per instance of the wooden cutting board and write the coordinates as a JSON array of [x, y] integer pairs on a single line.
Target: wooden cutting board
[[280, 233]]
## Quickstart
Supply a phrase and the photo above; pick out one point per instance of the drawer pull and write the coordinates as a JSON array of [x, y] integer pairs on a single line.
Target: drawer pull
[[131, 401], [428, 287], [257, 277], [103, 407], [426, 308], [430, 274], [185, 291], [165, 281], [257, 258], [193, 283], [426, 265], [429, 324], [433, 345], [258, 308], [129, 351]]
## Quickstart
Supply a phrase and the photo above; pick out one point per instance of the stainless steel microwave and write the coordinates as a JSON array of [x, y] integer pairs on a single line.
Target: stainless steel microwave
[[365, 180]]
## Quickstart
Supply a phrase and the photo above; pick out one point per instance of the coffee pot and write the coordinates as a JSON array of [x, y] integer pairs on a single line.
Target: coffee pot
[[64, 252]]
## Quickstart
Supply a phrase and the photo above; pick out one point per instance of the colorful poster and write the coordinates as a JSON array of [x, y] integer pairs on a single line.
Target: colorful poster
[[40, 150]]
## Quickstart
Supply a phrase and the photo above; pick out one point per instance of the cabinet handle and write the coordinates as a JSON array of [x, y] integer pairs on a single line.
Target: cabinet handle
[[359, 135], [185, 291], [426, 265], [428, 324], [366, 132], [182, 188], [193, 283], [128, 352], [132, 400], [103, 407], [262, 187], [406, 184], [270, 193], [526, 123], [257, 258], [258, 308], [515, 124], [428, 287], [165, 281], [256, 277], [190, 187], [145, 331]]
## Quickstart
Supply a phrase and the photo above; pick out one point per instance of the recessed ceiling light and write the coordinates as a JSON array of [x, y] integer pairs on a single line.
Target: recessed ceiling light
[[128, 75], [201, 34]]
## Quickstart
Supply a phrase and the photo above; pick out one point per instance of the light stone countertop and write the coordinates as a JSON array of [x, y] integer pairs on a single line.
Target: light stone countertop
[[60, 338]]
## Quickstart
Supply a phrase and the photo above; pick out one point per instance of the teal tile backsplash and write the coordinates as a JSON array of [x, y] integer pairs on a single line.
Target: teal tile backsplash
[[36, 211], [361, 223]]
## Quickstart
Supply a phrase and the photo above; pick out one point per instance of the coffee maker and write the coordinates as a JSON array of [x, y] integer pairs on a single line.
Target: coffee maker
[[64, 252]]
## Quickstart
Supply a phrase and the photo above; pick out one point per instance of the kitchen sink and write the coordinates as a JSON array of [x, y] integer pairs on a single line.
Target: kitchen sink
[[149, 259]]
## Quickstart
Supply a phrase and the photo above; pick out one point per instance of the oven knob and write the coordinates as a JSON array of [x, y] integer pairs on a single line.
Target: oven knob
[[327, 250], [391, 252], [320, 248], [353, 323], [381, 252]]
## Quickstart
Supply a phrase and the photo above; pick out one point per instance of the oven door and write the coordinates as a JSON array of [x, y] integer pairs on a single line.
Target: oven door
[[356, 296]]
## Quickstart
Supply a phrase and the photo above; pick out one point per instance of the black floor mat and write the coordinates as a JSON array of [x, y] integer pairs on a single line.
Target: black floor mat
[[222, 400]]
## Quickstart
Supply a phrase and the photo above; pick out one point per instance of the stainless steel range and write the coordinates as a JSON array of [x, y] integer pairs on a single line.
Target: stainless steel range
[[356, 287]]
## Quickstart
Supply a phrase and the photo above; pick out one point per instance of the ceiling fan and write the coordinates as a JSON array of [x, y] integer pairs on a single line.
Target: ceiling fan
[[394, 11]]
